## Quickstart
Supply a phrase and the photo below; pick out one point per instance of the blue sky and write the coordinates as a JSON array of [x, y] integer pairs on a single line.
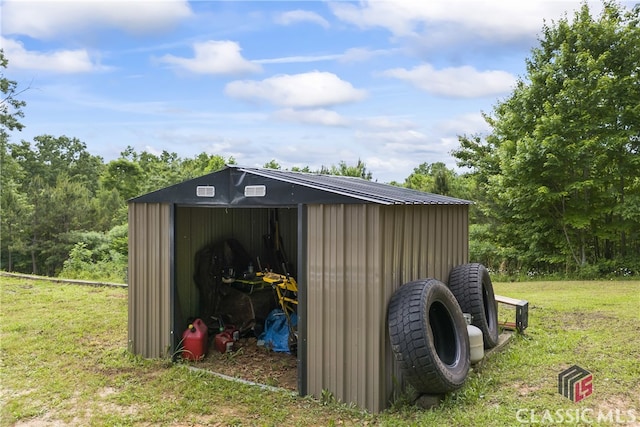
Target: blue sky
[[306, 83]]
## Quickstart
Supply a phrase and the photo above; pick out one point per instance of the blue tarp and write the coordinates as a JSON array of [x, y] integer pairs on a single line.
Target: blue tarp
[[276, 331]]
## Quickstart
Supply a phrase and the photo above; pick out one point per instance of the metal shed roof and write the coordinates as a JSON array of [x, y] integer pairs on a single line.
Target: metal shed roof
[[281, 188]]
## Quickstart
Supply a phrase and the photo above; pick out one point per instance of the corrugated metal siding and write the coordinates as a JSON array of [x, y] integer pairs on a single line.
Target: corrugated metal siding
[[358, 255], [344, 297], [427, 241], [150, 267]]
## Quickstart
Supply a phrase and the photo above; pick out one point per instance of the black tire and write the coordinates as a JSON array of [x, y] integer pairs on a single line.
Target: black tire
[[429, 337], [472, 287]]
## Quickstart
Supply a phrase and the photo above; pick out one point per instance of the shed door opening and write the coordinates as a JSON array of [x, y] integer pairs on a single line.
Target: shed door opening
[[221, 257]]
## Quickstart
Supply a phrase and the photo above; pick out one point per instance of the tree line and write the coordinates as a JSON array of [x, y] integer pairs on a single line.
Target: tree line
[[555, 183], [558, 178]]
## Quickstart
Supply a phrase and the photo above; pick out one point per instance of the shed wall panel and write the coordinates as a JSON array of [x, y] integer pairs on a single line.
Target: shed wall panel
[[358, 255], [345, 310], [427, 241], [150, 272]]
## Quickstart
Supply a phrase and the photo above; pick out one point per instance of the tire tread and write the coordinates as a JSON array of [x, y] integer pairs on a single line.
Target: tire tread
[[412, 347], [466, 282]]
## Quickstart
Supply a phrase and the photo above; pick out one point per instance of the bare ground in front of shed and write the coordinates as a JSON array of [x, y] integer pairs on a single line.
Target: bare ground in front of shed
[[254, 363]]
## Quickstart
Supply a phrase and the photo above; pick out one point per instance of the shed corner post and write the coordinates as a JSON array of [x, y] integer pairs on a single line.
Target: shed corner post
[[131, 279], [302, 299], [172, 280]]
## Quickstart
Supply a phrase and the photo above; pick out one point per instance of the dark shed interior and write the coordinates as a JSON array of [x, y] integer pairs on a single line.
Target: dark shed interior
[[211, 242]]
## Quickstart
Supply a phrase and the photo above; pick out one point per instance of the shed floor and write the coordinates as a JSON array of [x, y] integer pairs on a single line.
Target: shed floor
[[257, 364]]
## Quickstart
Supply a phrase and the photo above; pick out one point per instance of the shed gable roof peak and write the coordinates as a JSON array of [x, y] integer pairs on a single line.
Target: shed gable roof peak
[[230, 183]]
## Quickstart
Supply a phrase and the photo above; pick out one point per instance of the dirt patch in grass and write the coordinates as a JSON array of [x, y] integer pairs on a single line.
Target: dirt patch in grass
[[575, 320], [251, 362]]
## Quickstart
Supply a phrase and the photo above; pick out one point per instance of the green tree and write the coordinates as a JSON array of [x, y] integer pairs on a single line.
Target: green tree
[[159, 171], [559, 170], [108, 209], [71, 201], [135, 173], [57, 180], [305, 169], [273, 164], [48, 157], [434, 178], [203, 164], [37, 225], [359, 170], [124, 176], [14, 206], [10, 106]]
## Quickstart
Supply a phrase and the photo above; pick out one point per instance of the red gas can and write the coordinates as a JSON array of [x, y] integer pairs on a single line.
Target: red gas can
[[224, 342], [233, 332], [194, 341]]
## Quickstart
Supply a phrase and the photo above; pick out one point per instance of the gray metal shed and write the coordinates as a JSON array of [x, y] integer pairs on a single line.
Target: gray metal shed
[[352, 242]]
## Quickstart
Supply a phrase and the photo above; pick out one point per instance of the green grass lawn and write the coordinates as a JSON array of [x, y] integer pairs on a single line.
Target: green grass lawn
[[63, 361]]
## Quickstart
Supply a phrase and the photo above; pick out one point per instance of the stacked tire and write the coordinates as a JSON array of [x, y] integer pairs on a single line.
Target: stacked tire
[[428, 336], [428, 332], [472, 287]]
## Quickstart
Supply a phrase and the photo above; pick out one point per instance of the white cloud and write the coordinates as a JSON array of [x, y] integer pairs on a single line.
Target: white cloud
[[60, 61], [470, 124], [203, 140], [307, 90], [490, 19], [48, 19], [299, 59], [386, 166], [386, 122], [393, 16], [312, 153], [214, 57], [358, 54], [318, 116], [153, 150], [408, 138], [457, 82], [394, 150], [296, 16], [348, 56]]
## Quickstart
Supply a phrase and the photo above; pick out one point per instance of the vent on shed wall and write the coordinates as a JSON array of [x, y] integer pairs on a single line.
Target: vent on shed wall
[[205, 191], [255, 191]]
